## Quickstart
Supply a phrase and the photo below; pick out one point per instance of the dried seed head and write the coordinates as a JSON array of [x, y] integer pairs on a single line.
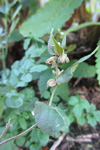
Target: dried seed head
[[63, 58], [51, 82], [51, 60]]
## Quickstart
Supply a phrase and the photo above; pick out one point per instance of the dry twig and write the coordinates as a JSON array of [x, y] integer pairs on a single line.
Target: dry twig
[[57, 143]]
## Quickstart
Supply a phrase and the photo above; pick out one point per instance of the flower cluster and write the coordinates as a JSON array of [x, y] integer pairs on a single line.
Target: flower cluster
[[59, 58]]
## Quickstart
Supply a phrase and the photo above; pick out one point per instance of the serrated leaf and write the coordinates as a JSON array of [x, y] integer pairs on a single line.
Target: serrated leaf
[[97, 55], [57, 48], [77, 110], [73, 100], [48, 118], [97, 115], [42, 137], [91, 108], [81, 120], [91, 120], [53, 14], [84, 103], [22, 123]]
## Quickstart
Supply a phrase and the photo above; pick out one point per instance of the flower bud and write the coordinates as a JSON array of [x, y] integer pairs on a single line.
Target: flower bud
[[51, 60], [63, 58], [51, 82]]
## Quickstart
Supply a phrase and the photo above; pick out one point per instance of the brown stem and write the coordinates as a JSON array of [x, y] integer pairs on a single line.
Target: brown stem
[[6, 129], [19, 135]]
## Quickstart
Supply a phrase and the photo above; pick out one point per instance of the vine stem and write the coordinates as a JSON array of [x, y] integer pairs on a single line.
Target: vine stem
[[19, 135], [51, 98]]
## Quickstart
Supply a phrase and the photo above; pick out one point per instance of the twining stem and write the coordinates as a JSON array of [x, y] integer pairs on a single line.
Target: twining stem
[[6, 129], [19, 135], [51, 98]]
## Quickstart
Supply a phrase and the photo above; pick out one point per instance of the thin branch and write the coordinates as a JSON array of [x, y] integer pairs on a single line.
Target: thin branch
[[19, 135], [6, 129], [57, 143]]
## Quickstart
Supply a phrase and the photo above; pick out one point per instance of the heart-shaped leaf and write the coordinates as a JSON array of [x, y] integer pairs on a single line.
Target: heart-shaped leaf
[[48, 118]]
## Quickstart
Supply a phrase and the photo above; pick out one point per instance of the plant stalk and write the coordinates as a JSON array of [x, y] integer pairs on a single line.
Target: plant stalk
[[51, 98]]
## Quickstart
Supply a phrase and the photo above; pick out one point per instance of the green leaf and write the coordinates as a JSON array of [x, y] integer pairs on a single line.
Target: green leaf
[[68, 73], [85, 71], [35, 52], [1, 107], [53, 14], [20, 141], [22, 123], [57, 48], [77, 110], [9, 146], [14, 99], [67, 124], [42, 83], [97, 115], [66, 76], [48, 118], [98, 64], [73, 100], [50, 44], [42, 137], [26, 77], [63, 41], [38, 68], [26, 43], [62, 91], [91, 120], [15, 36], [84, 103], [46, 95], [81, 120], [28, 93], [91, 108]]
